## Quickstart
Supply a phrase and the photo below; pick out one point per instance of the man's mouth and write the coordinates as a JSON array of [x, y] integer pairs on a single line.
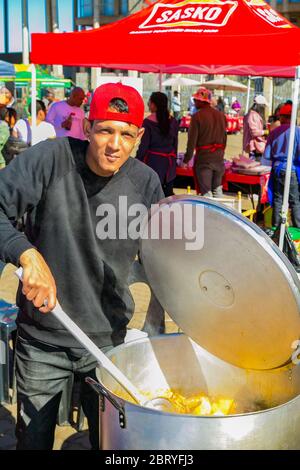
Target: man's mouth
[[112, 158]]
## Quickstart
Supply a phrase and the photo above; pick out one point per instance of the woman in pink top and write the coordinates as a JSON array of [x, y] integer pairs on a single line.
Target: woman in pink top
[[254, 140]]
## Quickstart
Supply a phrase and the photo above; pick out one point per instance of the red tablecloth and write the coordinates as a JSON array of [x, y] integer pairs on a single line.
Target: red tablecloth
[[233, 124], [251, 180], [232, 177]]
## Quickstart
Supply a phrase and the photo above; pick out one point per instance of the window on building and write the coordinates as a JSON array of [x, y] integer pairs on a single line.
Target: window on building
[[124, 7], [14, 25], [85, 8], [108, 7], [65, 15], [2, 42], [36, 16]]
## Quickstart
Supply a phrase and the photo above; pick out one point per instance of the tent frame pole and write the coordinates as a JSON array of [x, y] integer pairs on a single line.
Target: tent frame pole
[[33, 103], [248, 94], [285, 204], [160, 79]]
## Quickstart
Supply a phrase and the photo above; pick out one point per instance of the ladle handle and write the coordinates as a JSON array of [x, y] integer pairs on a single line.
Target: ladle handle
[[90, 346]]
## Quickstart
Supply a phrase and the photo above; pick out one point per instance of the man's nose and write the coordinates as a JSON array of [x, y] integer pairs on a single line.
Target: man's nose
[[114, 142]]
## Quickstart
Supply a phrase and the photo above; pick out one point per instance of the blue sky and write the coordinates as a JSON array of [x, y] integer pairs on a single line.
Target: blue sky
[[37, 20]]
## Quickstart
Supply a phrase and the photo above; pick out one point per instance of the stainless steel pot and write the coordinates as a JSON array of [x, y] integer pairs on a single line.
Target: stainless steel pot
[[176, 362]]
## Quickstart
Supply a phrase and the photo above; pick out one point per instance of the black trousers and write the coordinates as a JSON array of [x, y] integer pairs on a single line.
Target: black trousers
[[294, 198], [209, 176], [42, 371]]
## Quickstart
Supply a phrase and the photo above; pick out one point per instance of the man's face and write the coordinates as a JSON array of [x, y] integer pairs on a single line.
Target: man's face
[[284, 119], [199, 104], [5, 96], [50, 97], [111, 143], [77, 98]]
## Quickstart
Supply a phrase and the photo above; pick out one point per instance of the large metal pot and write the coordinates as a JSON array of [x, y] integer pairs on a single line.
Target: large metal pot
[[176, 362]]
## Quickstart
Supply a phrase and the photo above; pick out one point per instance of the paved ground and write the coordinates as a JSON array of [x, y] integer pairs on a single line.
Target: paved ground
[[66, 436]]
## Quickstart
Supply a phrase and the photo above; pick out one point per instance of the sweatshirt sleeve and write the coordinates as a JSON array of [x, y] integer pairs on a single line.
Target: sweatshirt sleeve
[[22, 185], [267, 156], [158, 193], [192, 139], [51, 114]]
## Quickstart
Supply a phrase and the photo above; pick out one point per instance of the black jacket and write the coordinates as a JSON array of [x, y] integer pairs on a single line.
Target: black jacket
[[62, 197]]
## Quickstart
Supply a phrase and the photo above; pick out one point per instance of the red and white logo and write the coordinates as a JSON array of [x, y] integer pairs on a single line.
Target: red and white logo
[[260, 8], [190, 13]]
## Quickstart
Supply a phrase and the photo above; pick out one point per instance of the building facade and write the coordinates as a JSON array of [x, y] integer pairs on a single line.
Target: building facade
[[54, 16], [288, 8]]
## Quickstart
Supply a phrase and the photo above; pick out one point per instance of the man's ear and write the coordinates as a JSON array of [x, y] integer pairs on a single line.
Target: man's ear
[[139, 136], [87, 128]]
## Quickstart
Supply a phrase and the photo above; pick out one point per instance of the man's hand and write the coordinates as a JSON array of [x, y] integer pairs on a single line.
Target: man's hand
[[185, 161], [38, 283], [67, 123]]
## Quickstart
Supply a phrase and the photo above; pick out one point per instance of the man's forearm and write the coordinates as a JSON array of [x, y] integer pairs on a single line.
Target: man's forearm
[[192, 141], [12, 242]]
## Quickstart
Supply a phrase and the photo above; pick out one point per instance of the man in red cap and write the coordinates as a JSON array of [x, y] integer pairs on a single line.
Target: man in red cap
[[73, 248], [276, 153], [207, 139]]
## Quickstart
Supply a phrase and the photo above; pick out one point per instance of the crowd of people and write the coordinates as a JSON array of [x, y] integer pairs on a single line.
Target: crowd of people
[[159, 145]]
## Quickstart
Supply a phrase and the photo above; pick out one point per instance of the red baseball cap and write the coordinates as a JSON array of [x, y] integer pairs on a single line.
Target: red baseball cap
[[285, 110], [104, 94]]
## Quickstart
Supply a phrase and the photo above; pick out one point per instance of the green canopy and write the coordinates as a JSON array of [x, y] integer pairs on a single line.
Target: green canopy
[[43, 79]]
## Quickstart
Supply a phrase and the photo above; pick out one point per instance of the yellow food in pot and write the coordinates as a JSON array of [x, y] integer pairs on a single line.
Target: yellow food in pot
[[198, 405]]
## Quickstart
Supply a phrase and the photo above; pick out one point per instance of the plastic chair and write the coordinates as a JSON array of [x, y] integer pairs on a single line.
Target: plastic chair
[[8, 315]]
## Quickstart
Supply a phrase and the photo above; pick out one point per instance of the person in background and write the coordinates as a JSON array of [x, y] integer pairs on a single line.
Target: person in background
[[158, 147], [50, 99], [21, 107], [276, 153], [236, 106], [87, 101], [192, 108], [207, 138], [11, 118], [67, 117], [4, 134], [176, 105], [213, 102], [9, 100], [220, 104], [44, 130], [254, 134], [274, 120]]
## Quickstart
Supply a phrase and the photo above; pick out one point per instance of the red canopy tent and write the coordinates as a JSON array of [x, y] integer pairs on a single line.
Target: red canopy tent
[[243, 37], [238, 37]]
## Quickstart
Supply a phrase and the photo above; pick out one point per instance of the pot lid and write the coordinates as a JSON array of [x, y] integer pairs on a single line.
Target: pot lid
[[223, 282]]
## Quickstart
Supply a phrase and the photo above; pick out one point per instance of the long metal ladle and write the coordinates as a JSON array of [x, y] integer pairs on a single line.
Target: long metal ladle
[[158, 403]]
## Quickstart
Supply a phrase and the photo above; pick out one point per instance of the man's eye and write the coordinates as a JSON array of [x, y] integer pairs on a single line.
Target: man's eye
[[127, 134]]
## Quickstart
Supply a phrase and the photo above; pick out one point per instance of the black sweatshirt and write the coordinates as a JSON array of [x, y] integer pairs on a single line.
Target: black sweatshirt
[[61, 195]]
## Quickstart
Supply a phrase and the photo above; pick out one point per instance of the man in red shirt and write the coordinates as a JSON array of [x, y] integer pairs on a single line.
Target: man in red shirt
[[207, 138]]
